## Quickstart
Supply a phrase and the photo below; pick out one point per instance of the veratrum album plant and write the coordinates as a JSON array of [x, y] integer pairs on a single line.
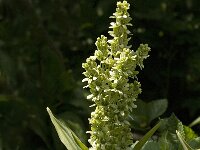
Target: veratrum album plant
[[111, 76], [108, 75]]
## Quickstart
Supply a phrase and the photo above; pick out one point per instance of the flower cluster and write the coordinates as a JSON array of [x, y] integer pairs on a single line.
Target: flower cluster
[[108, 75]]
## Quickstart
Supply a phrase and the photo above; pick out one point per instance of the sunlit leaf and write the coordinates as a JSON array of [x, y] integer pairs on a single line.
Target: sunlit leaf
[[66, 135], [195, 122], [141, 143], [183, 142], [80, 144], [189, 133]]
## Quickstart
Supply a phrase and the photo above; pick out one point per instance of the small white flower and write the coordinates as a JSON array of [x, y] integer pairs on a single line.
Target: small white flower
[[107, 74]]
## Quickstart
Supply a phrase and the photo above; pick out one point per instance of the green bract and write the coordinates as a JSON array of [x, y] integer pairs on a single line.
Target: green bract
[[108, 75]]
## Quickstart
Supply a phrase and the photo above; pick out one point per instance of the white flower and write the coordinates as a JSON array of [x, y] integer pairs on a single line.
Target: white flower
[[107, 74]]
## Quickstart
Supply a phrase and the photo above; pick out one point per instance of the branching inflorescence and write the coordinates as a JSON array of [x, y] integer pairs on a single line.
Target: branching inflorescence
[[108, 74]]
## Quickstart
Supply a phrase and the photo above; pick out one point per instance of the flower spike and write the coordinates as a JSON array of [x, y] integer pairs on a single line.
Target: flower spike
[[108, 75]]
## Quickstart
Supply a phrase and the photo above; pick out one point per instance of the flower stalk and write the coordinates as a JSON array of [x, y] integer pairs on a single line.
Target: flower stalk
[[112, 78]]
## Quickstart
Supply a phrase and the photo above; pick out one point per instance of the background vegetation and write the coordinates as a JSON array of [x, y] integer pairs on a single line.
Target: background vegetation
[[44, 42]]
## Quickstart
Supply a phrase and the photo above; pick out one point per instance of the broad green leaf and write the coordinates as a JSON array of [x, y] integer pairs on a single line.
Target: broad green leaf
[[66, 135], [157, 108], [183, 142], [80, 144], [170, 125], [151, 145], [75, 123], [165, 143], [146, 112], [169, 139], [195, 143], [195, 122], [141, 143]]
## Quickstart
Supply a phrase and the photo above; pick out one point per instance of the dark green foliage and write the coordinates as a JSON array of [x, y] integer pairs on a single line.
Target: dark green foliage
[[44, 42], [167, 137], [34, 74], [172, 28]]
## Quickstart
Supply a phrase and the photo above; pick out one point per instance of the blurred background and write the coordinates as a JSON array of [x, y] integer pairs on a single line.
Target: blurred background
[[44, 42]]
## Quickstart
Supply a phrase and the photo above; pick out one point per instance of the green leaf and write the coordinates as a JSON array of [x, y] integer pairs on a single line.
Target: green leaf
[[170, 125], [146, 112], [141, 143], [75, 123], [174, 135], [80, 144], [165, 143], [183, 142], [168, 138], [195, 143], [195, 122], [189, 133], [157, 108], [66, 135], [151, 145]]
